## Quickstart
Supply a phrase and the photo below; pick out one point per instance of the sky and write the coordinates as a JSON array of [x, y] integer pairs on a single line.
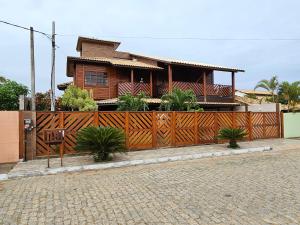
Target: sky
[[173, 29]]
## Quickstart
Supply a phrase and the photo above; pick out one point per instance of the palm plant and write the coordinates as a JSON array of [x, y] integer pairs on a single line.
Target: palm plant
[[128, 102], [232, 134], [290, 93], [269, 85], [179, 100], [102, 142]]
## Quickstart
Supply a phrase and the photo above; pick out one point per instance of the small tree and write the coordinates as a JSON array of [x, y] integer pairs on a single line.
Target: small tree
[[179, 100], [232, 134], [128, 102], [75, 98], [101, 141], [9, 94], [290, 92], [269, 85]]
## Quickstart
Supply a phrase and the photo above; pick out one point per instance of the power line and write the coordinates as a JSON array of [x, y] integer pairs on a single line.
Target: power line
[[26, 28], [190, 38]]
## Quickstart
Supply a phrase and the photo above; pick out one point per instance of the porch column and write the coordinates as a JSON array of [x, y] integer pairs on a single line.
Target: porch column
[[170, 78], [233, 85], [151, 84], [131, 81], [204, 86]]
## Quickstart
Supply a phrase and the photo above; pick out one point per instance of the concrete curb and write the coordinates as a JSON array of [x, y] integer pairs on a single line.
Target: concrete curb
[[134, 162]]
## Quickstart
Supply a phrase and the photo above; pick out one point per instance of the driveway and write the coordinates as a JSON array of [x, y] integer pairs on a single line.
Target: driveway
[[260, 188]]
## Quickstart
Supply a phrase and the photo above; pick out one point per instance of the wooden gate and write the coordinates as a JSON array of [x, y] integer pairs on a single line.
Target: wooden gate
[[145, 130]]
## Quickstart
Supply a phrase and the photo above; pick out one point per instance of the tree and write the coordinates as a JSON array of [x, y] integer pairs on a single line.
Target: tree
[[269, 85], [75, 98], [9, 94], [128, 102], [101, 141], [43, 101], [179, 100], [290, 92]]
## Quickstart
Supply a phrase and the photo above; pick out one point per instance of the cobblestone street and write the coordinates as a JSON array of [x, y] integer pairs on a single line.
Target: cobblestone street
[[261, 188]]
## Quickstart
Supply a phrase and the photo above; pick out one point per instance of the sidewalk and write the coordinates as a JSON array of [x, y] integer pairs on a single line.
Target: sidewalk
[[79, 163]]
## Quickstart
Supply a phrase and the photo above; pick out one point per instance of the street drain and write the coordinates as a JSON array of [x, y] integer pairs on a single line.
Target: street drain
[[228, 195]]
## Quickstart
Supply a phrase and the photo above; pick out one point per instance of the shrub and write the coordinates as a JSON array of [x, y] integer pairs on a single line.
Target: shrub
[[128, 102], [101, 141], [232, 134]]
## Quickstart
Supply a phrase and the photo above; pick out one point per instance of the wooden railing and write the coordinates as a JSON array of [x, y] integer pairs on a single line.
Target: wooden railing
[[217, 90], [133, 88], [146, 130]]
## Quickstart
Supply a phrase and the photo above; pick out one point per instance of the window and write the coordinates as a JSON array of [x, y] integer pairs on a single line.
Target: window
[[95, 78]]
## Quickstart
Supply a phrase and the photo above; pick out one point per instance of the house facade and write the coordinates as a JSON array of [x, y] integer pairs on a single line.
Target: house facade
[[107, 74]]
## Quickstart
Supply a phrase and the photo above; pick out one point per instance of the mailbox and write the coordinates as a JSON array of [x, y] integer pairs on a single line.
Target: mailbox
[[28, 124]]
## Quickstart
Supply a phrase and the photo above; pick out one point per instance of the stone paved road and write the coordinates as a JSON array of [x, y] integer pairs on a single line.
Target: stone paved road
[[262, 188]]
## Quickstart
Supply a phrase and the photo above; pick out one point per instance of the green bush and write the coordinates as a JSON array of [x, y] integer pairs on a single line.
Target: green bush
[[128, 102], [102, 142], [232, 134]]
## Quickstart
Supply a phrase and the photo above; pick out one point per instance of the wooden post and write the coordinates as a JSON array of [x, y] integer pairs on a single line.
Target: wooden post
[[21, 135], [250, 126], [216, 127], [282, 124], [127, 129], [173, 129], [154, 129], [132, 81], [170, 78], [96, 119], [61, 145], [233, 85], [264, 124], [151, 84], [234, 122], [204, 86], [196, 128], [278, 121]]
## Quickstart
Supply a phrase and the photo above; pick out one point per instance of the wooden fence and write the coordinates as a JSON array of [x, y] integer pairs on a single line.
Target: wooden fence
[[145, 130]]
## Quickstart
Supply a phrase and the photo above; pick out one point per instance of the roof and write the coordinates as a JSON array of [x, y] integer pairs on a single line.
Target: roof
[[114, 101], [189, 63], [255, 92], [95, 40], [113, 61]]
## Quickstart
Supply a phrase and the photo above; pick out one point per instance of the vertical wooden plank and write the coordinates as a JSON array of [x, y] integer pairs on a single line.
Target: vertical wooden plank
[[21, 135], [250, 126], [234, 121], [154, 129], [278, 121], [62, 145], [204, 86], [173, 129], [170, 78], [216, 127], [96, 119], [132, 81], [264, 124], [127, 129], [282, 125], [151, 84], [196, 128], [233, 85]]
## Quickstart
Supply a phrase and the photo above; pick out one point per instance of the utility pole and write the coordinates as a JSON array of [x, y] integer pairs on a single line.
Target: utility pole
[[52, 94], [32, 69]]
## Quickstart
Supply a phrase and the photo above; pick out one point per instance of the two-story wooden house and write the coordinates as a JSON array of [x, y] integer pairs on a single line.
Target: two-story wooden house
[[108, 73]]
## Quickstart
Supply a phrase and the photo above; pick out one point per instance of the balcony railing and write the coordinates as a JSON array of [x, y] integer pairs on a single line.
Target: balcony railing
[[133, 88], [216, 90]]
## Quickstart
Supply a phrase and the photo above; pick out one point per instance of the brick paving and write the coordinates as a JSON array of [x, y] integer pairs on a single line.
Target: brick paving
[[261, 188]]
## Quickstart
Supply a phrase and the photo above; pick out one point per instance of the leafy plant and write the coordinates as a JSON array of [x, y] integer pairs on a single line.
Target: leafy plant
[[9, 94], [290, 92], [75, 98], [128, 102], [232, 134], [101, 141], [179, 100], [269, 85]]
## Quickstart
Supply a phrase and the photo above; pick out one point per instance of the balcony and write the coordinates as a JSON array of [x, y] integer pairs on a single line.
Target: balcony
[[213, 91], [134, 88]]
